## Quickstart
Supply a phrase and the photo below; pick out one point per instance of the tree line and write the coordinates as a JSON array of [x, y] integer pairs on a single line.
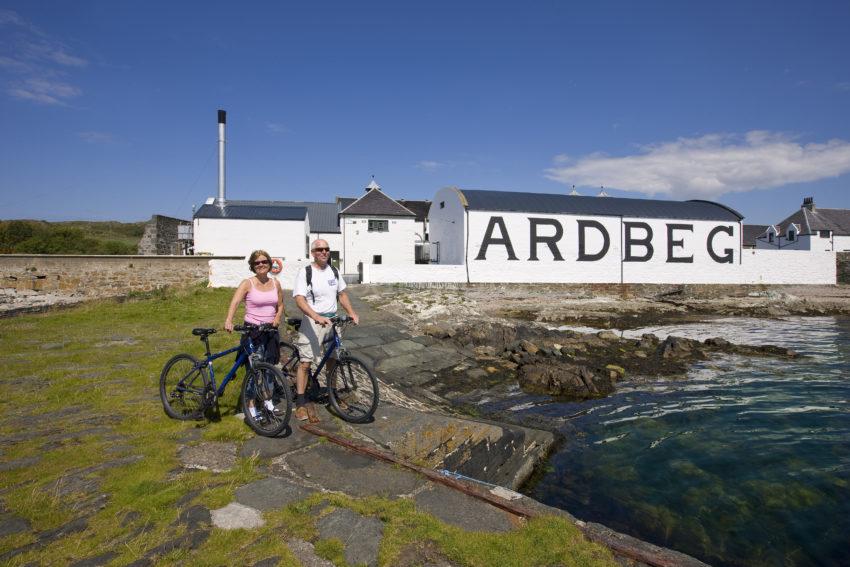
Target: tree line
[[74, 237]]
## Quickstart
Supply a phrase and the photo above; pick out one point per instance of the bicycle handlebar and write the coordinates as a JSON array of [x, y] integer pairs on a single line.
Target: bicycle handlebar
[[336, 320], [249, 327]]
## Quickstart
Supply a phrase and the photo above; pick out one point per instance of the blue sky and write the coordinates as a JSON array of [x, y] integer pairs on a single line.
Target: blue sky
[[108, 109]]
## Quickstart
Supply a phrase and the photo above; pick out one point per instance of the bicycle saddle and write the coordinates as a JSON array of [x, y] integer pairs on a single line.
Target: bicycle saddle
[[201, 332], [294, 322]]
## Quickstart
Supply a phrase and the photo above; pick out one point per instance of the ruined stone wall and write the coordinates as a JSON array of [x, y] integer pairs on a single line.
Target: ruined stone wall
[[842, 262], [100, 276], [160, 236]]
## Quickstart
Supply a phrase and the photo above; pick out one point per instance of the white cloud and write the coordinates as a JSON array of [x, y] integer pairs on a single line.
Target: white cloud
[[44, 91], [275, 128], [34, 61], [708, 166], [429, 165]]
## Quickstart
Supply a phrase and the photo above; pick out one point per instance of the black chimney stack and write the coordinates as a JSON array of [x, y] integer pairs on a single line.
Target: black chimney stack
[[809, 203]]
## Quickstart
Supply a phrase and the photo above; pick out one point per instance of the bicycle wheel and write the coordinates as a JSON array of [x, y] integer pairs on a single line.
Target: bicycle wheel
[[353, 391], [182, 387], [266, 400]]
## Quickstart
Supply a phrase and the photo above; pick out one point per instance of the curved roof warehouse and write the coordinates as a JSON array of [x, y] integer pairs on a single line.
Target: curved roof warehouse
[[514, 236]]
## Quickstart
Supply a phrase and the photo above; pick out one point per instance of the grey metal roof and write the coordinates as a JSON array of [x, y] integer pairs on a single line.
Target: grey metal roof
[[236, 210], [323, 216], [836, 220], [751, 232], [515, 201], [419, 208], [375, 202]]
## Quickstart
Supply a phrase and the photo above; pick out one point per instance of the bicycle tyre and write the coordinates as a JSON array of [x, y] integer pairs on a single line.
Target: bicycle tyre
[[183, 385], [353, 390], [266, 383]]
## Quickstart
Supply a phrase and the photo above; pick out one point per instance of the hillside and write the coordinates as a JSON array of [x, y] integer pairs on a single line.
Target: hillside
[[70, 237]]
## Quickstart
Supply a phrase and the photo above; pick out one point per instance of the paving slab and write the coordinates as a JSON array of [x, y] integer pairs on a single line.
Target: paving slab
[[338, 469], [360, 535], [306, 553], [209, 456], [293, 438], [463, 511], [237, 516], [404, 346], [271, 493]]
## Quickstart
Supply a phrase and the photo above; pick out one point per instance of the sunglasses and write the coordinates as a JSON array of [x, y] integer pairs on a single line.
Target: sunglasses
[[261, 262], [321, 249]]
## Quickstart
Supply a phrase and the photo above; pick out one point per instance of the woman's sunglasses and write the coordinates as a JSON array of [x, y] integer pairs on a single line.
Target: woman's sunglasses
[[261, 262]]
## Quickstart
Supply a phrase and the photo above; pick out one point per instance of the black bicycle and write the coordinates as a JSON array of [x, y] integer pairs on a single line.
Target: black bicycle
[[352, 389], [187, 385]]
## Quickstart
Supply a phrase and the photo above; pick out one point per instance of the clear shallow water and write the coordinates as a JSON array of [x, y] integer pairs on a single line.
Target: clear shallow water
[[747, 462]]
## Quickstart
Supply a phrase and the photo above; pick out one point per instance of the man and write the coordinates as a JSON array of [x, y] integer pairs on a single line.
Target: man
[[318, 301]]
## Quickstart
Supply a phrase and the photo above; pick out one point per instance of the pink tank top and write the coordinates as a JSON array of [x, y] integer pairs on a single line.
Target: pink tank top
[[260, 306]]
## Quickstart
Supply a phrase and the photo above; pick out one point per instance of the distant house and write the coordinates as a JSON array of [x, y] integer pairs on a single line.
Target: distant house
[[166, 236], [376, 229], [751, 233], [238, 227], [810, 228]]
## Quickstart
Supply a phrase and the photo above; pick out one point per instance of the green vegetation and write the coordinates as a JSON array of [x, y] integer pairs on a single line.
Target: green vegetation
[[73, 237], [80, 417]]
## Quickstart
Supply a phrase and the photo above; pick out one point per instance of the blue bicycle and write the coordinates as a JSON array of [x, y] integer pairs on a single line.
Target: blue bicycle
[[351, 390], [187, 385]]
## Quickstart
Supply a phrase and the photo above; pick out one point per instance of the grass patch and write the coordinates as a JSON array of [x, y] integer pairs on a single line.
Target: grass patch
[[85, 420]]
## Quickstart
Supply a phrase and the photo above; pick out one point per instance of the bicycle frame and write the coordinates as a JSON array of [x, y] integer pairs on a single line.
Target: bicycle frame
[[335, 344], [243, 357]]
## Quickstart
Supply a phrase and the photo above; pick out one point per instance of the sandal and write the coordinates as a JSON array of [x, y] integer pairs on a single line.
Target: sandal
[[301, 413]]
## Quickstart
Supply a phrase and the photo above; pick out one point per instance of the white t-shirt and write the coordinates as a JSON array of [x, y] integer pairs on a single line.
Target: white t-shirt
[[325, 288]]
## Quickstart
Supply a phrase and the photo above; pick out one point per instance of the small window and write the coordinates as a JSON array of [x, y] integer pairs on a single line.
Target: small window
[[376, 259], [379, 225], [770, 237], [791, 236], [442, 204], [824, 234]]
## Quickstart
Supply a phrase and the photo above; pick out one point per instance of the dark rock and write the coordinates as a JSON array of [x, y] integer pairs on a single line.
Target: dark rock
[[648, 340], [529, 347], [563, 379], [608, 335], [718, 342], [439, 330]]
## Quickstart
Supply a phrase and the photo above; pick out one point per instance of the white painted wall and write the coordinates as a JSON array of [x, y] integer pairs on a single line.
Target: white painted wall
[[446, 226], [756, 267], [396, 246], [229, 273], [415, 273], [609, 268], [841, 243], [238, 237]]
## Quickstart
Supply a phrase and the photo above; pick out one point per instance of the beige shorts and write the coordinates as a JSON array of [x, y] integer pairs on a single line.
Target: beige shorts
[[310, 342]]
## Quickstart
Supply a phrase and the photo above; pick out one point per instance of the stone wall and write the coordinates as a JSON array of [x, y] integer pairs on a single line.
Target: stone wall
[[160, 236], [842, 262], [100, 276]]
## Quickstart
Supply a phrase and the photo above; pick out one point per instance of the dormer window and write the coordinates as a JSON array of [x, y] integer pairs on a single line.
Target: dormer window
[[770, 237], [792, 235]]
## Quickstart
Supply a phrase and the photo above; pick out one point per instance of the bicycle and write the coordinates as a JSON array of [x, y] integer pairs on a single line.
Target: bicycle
[[352, 389], [187, 385]]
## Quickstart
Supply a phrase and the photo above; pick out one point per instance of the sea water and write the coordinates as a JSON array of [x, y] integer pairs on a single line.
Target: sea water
[[744, 462]]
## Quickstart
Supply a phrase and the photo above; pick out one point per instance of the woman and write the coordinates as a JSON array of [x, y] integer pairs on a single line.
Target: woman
[[263, 298]]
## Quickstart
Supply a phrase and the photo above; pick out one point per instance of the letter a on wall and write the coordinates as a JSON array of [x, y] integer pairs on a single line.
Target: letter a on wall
[[489, 239]]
